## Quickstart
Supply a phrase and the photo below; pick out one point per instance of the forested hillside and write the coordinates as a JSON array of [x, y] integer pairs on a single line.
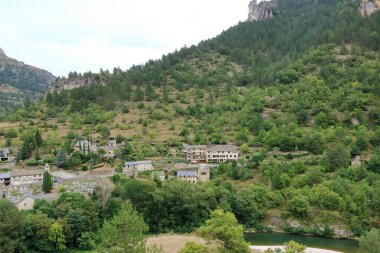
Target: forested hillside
[[19, 81], [299, 93]]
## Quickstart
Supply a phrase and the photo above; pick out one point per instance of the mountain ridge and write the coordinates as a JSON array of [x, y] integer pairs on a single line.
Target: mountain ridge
[[20, 81]]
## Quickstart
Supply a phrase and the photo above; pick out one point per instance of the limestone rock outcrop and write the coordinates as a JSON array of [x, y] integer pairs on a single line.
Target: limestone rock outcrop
[[262, 10], [367, 7]]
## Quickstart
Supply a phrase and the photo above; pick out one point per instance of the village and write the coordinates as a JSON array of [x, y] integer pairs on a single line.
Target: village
[[22, 184]]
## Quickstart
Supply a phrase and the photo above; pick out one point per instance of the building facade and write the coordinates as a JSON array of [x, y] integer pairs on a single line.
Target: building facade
[[195, 153], [210, 153], [189, 176], [138, 166], [21, 177], [24, 203], [222, 153]]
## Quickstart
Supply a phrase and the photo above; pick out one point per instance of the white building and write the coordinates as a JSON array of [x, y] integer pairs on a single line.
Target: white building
[[195, 153], [211, 153], [21, 177], [138, 166], [26, 177], [222, 153]]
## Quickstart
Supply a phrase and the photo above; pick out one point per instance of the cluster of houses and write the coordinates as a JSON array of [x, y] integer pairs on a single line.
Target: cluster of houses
[[210, 153], [87, 147], [200, 159]]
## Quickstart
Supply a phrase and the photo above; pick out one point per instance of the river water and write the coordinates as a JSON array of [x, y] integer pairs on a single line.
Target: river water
[[266, 239]]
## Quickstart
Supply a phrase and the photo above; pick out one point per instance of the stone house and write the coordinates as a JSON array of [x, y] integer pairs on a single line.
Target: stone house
[[201, 174], [189, 176], [5, 155], [5, 179], [21, 177], [110, 149], [24, 203], [137, 166]]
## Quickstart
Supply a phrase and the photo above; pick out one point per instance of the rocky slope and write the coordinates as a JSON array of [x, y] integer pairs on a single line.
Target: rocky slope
[[262, 10], [18, 81], [367, 7]]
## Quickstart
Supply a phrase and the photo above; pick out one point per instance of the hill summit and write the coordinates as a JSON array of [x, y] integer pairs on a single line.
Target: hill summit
[[19, 81]]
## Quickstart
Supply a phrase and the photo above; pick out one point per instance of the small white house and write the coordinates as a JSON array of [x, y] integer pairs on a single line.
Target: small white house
[[138, 166]]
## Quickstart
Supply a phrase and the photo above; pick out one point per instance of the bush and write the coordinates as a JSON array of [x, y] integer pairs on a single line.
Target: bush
[[299, 206], [11, 133]]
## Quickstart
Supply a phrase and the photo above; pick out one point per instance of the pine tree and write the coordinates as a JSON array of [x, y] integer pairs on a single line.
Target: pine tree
[[25, 152], [61, 159], [38, 138], [149, 92], [138, 94], [165, 95], [47, 182]]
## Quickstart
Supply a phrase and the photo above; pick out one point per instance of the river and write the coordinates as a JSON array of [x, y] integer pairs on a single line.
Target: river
[[265, 239]]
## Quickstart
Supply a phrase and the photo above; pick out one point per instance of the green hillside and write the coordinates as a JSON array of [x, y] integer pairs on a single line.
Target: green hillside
[[19, 81], [299, 93]]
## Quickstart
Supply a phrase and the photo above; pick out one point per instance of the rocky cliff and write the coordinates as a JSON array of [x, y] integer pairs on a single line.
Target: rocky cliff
[[262, 10], [367, 7], [18, 80]]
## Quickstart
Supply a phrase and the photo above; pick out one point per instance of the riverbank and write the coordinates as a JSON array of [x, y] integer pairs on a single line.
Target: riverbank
[[308, 250], [327, 243]]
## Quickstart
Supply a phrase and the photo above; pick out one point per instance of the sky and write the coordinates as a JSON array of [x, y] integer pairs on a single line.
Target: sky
[[85, 35]]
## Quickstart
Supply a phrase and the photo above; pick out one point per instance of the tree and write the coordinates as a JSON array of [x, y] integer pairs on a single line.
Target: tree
[[337, 157], [149, 92], [57, 237], [87, 241], [288, 76], [223, 227], [11, 228], [37, 228], [299, 205], [8, 142], [123, 233], [370, 242], [244, 148], [250, 205], [315, 143], [38, 138], [103, 189], [192, 247], [165, 95], [374, 162], [61, 159], [138, 94], [47, 182], [293, 247]]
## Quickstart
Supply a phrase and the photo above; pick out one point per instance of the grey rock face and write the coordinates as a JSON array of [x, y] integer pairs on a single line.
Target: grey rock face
[[262, 10], [367, 7]]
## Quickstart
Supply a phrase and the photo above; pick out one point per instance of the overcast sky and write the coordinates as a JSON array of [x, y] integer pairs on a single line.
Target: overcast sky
[[67, 35]]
